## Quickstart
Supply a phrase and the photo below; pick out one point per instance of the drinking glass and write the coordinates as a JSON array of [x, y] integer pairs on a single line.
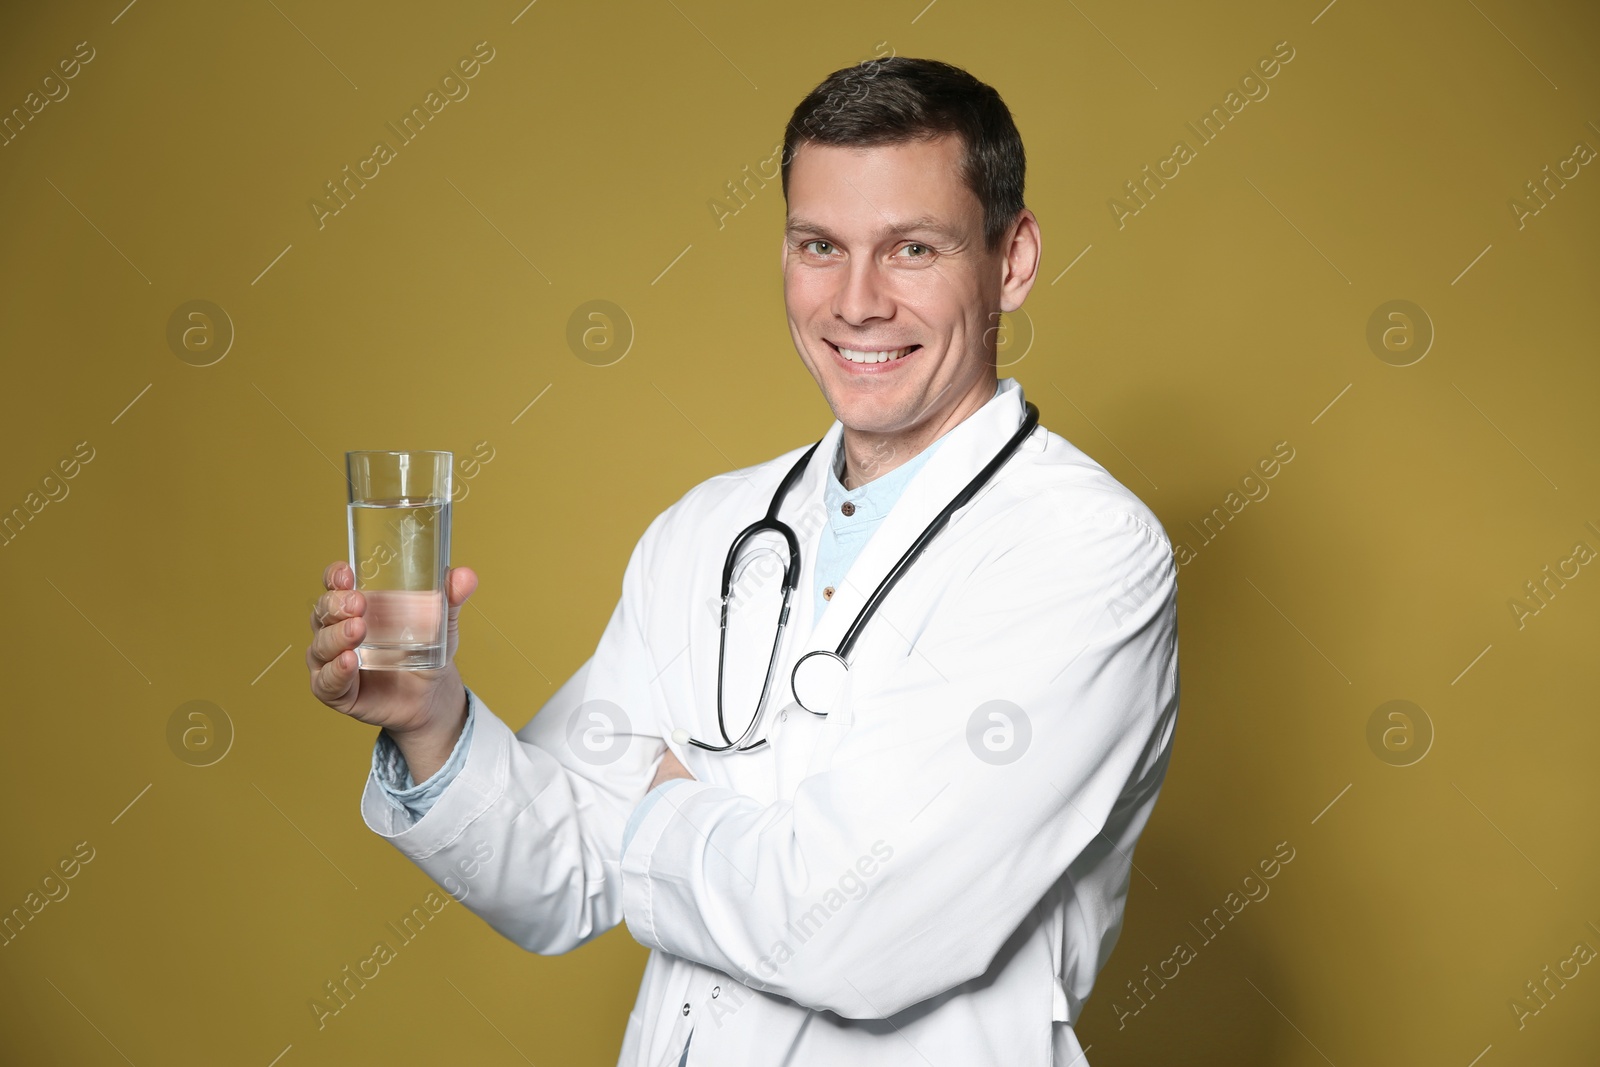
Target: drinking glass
[[399, 519]]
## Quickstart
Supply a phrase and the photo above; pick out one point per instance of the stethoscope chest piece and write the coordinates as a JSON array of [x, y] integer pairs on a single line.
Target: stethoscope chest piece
[[819, 681]]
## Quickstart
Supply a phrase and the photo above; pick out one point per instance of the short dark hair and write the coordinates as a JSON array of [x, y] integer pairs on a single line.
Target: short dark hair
[[895, 99]]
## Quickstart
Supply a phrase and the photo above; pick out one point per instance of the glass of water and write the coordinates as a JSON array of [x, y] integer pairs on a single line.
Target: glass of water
[[399, 518]]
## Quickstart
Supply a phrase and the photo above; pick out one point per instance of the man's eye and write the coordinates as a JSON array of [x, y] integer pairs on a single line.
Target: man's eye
[[923, 254], [827, 246]]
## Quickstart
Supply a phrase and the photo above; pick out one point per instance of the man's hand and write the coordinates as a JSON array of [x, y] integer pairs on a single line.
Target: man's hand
[[423, 711], [670, 768]]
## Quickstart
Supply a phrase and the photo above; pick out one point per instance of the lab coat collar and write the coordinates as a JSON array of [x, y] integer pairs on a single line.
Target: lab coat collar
[[962, 453]]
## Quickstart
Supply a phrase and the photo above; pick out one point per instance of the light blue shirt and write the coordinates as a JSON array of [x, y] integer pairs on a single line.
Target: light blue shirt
[[644, 807], [394, 776], [847, 534]]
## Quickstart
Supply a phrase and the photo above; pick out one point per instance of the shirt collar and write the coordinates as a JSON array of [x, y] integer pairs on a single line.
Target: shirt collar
[[872, 501]]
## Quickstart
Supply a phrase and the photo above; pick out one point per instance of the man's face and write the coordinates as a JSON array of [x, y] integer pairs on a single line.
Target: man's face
[[889, 290]]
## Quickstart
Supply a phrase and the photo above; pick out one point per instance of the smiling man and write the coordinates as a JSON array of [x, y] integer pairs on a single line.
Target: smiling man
[[927, 863]]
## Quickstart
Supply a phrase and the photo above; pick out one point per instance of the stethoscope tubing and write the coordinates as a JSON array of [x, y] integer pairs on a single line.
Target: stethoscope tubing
[[791, 580], [1030, 419], [771, 523]]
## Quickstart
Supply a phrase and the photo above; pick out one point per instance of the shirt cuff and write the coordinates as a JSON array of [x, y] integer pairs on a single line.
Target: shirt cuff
[[644, 807], [394, 776]]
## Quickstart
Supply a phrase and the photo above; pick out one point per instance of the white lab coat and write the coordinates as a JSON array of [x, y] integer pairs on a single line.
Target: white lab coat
[[886, 886]]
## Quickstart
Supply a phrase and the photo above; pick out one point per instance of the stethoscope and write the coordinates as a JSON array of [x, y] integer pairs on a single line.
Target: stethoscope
[[819, 677]]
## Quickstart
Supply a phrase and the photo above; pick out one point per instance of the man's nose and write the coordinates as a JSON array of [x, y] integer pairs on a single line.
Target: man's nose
[[863, 294]]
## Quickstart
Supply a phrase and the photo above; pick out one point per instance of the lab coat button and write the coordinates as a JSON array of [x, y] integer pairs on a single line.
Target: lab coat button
[[847, 508], [716, 991], [827, 594], [686, 1009]]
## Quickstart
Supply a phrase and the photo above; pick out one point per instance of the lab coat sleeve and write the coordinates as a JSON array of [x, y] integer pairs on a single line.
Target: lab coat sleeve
[[1039, 696], [528, 834]]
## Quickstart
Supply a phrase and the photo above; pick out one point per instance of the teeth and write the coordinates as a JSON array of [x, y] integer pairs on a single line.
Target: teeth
[[873, 357]]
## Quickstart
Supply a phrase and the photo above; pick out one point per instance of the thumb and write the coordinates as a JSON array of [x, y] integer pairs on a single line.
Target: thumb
[[459, 585]]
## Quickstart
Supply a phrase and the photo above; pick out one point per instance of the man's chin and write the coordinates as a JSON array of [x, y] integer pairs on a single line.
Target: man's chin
[[875, 417]]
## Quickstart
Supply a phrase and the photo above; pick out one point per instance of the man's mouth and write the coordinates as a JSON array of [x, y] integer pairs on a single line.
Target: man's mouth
[[872, 355]]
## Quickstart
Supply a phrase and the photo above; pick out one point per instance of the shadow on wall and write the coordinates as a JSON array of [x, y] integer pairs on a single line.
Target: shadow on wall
[[1178, 987], [1176, 993]]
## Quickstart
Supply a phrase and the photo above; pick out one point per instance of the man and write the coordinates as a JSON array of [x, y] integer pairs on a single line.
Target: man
[[935, 871]]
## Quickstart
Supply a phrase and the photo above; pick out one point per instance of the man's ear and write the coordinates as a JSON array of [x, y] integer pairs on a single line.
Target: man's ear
[[1019, 265]]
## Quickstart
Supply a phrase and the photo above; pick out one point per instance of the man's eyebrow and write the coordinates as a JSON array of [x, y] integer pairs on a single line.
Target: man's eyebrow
[[922, 224]]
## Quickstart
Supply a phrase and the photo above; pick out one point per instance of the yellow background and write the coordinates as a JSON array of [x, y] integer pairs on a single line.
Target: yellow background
[[429, 313]]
